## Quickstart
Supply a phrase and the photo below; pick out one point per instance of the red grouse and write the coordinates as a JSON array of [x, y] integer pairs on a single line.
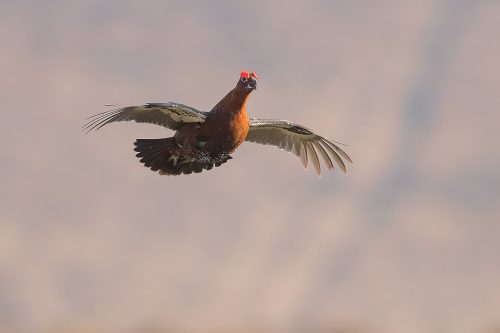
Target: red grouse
[[206, 139]]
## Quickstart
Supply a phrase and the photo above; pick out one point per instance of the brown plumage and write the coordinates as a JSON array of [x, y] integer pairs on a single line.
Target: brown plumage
[[206, 139]]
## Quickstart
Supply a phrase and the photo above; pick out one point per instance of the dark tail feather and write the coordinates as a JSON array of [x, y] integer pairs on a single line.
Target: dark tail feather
[[165, 156]]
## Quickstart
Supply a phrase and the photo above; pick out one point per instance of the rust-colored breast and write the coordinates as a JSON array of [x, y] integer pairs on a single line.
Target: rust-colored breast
[[227, 124], [224, 129], [239, 127]]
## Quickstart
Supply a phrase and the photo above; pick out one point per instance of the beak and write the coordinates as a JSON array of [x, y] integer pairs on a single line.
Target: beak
[[252, 83]]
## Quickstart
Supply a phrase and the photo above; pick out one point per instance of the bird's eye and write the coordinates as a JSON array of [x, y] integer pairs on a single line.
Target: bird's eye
[[243, 79]]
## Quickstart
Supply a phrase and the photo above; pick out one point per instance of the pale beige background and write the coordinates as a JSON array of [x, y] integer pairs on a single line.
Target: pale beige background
[[409, 242]]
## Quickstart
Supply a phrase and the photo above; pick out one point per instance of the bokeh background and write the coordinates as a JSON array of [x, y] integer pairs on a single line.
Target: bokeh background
[[409, 241]]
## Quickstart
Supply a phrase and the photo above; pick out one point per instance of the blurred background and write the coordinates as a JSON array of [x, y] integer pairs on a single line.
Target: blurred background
[[409, 241]]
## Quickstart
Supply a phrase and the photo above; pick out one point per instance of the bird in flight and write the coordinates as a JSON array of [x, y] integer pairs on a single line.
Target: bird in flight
[[203, 140]]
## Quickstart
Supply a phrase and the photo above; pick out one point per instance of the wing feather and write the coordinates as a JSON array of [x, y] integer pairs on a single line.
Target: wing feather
[[298, 140], [324, 155], [170, 115], [340, 151], [335, 156], [314, 157], [303, 154]]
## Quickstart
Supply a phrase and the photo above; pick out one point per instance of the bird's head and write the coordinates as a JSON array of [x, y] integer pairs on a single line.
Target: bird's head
[[247, 81]]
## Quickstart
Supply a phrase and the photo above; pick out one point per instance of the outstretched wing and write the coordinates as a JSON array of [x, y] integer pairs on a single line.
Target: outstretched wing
[[298, 140], [170, 115]]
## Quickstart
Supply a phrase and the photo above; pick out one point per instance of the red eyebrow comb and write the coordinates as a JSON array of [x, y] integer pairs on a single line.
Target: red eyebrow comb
[[245, 74]]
